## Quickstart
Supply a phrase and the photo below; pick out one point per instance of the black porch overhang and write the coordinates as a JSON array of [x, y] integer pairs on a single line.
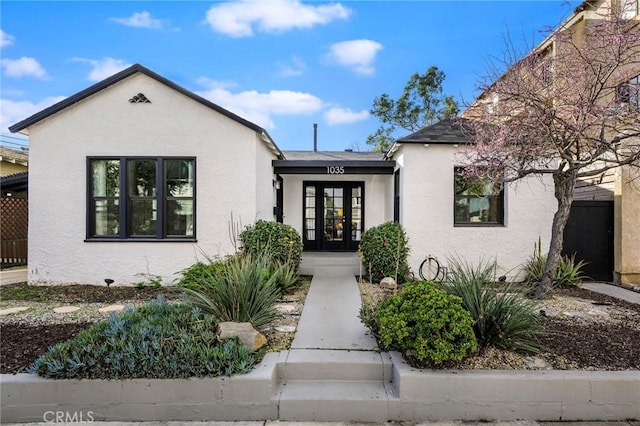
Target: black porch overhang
[[334, 167]]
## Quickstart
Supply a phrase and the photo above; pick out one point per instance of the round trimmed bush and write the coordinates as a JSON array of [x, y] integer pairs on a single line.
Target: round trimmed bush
[[428, 322], [384, 251], [282, 243]]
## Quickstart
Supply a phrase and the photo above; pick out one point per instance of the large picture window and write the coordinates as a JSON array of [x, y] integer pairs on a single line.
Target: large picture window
[[141, 198], [478, 201]]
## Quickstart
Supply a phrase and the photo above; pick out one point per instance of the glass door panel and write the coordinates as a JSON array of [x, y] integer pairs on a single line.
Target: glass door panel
[[356, 214], [333, 214], [310, 213]]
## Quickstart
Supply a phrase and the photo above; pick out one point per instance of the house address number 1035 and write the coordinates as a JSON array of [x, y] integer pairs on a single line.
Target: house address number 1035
[[335, 170]]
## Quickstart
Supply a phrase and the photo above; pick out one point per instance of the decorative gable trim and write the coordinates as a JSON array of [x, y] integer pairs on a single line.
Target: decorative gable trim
[[140, 98]]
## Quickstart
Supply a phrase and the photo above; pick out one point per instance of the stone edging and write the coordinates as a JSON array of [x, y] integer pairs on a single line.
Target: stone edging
[[414, 395]]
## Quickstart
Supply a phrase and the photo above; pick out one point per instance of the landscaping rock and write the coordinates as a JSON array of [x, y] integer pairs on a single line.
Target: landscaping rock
[[245, 332], [389, 283], [285, 328], [286, 308], [65, 309], [11, 311], [112, 308], [573, 314]]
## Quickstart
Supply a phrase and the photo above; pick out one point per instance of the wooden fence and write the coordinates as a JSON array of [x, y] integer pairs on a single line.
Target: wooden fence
[[14, 225]]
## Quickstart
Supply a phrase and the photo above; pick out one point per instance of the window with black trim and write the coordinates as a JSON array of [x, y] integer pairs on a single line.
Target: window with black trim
[[478, 200], [141, 198]]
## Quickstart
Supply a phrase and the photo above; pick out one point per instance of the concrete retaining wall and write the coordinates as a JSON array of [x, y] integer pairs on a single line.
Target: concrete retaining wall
[[29, 398], [515, 395], [416, 395]]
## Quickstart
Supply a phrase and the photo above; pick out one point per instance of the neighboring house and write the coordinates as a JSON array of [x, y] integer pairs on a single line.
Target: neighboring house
[[14, 210], [154, 172], [12, 161]]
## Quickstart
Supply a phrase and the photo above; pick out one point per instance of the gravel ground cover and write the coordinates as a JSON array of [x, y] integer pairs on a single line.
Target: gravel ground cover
[[26, 335], [582, 330]]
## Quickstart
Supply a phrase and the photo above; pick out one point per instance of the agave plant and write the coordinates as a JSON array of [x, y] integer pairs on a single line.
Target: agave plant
[[503, 316], [568, 272], [244, 292]]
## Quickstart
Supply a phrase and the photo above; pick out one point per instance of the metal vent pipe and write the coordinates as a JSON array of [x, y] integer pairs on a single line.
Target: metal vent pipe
[[315, 137]]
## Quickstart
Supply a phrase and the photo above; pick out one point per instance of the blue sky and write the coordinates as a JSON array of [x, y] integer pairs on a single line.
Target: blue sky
[[283, 64]]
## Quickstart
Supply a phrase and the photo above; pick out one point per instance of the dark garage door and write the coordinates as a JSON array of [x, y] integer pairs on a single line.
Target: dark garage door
[[589, 234]]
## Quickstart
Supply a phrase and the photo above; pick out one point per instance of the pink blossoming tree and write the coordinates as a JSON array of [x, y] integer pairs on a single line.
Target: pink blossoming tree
[[570, 109]]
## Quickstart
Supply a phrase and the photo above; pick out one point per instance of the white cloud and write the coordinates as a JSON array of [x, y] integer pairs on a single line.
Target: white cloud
[[23, 67], [260, 107], [244, 17], [344, 116], [6, 39], [103, 68], [12, 112], [140, 20], [294, 68], [358, 55]]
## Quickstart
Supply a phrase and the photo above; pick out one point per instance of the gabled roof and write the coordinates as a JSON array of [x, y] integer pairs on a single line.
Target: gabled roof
[[449, 131], [133, 69]]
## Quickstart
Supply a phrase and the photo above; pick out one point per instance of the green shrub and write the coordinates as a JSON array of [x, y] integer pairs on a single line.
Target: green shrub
[[384, 251], [283, 275], [244, 292], [567, 274], [281, 242], [192, 276], [430, 323], [158, 340], [503, 316]]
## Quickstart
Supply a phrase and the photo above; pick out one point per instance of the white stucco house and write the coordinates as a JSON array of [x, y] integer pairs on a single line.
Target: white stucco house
[[136, 175]]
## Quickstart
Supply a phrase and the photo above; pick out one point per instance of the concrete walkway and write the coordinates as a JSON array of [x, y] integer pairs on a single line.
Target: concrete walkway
[[329, 319], [613, 291]]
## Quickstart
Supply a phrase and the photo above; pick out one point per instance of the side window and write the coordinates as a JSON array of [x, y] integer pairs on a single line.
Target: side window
[[478, 200]]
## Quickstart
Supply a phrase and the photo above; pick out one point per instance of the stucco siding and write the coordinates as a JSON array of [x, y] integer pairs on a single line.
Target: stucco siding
[[378, 205], [106, 124], [427, 200], [265, 190]]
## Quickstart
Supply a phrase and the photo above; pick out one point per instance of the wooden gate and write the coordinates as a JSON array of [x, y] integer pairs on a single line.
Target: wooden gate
[[14, 219], [589, 235]]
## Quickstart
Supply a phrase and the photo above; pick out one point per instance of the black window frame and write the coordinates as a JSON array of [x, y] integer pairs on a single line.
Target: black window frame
[[500, 222], [124, 204]]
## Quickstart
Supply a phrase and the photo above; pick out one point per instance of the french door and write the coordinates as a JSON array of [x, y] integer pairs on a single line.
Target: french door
[[333, 215]]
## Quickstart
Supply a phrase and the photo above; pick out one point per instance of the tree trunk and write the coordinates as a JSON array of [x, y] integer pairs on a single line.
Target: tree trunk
[[564, 186]]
